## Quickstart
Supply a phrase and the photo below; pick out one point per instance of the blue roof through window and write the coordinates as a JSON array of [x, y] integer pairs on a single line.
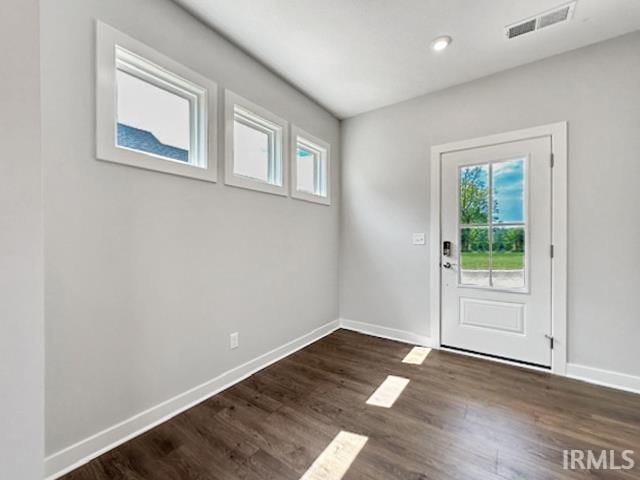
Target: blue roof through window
[[145, 141]]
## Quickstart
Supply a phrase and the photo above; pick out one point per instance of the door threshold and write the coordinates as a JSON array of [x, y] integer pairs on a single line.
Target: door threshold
[[497, 358]]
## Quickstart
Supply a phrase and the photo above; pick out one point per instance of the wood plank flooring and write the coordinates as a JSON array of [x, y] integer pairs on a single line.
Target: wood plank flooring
[[458, 418]]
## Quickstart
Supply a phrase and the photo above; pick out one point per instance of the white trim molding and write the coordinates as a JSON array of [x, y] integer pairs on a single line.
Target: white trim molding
[[558, 134], [116, 51], [74, 456], [605, 378], [261, 119], [322, 175], [386, 332], [596, 376]]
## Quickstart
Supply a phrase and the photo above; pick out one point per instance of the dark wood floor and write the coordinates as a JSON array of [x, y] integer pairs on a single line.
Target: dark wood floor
[[459, 418]]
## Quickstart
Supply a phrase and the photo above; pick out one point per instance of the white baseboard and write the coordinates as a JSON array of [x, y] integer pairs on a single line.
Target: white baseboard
[[82, 452], [597, 376], [86, 450], [386, 332], [606, 378]]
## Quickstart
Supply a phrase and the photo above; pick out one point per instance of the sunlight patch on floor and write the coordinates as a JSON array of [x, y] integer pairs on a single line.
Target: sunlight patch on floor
[[417, 355], [336, 459], [388, 391]]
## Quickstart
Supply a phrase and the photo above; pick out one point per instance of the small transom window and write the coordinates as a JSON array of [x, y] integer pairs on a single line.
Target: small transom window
[[255, 153], [158, 113], [152, 112], [311, 166]]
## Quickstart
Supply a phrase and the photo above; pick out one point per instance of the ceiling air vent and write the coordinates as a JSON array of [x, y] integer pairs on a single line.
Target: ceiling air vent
[[550, 17], [521, 28]]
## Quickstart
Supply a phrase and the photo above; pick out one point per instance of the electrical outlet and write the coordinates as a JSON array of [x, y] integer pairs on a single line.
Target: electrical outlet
[[234, 340]]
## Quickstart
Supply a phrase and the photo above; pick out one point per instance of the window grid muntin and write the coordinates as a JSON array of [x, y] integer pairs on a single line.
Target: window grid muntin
[[491, 225]]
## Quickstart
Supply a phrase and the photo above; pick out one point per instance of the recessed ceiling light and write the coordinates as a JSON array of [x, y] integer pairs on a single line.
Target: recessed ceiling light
[[440, 43]]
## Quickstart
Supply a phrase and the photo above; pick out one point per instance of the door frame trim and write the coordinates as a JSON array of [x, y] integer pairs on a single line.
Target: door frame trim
[[559, 149]]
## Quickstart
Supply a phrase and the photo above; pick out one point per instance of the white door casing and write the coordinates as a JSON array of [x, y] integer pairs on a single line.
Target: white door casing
[[490, 316]]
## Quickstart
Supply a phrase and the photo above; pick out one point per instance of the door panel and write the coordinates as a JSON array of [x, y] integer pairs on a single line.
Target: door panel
[[496, 282], [501, 316]]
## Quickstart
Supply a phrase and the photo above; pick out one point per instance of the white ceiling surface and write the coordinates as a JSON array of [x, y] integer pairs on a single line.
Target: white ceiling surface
[[352, 56]]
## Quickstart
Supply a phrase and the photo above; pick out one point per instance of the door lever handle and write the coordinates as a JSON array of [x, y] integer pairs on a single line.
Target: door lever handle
[[448, 265]]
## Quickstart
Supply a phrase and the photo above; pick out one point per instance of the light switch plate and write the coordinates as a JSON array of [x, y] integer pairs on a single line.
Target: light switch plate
[[418, 239], [234, 340]]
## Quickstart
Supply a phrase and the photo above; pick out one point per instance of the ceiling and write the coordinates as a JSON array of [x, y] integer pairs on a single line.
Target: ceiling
[[352, 56]]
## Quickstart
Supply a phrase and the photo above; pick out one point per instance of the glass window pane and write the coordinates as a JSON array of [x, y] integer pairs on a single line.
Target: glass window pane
[[474, 195], [306, 170], [322, 174], [507, 258], [508, 191], [474, 256], [251, 152], [151, 119]]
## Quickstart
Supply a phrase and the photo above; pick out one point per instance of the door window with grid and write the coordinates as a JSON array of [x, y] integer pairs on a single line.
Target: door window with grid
[[493, 224]]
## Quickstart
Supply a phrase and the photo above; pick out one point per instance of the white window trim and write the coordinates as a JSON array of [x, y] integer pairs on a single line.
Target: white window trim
[[148, 64], [261, 115], [317, 144]]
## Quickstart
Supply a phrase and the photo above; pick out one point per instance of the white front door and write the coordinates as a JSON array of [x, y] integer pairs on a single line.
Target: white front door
[[496, 258]]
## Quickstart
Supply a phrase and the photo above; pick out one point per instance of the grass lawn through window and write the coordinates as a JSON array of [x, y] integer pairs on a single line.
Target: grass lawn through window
[[501, 260]]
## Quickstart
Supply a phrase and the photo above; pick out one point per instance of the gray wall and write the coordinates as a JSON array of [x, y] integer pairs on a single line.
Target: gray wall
[[385, 280], [147, 274], [21, 244]]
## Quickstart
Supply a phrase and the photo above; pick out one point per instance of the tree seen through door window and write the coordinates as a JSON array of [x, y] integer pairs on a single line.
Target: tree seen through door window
[[492, 224]]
